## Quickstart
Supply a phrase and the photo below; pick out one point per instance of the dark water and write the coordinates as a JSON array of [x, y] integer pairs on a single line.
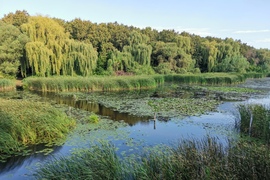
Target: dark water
[[141, 132]]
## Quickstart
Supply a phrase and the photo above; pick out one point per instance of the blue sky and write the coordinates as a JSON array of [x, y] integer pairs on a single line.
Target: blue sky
[[245, 20]]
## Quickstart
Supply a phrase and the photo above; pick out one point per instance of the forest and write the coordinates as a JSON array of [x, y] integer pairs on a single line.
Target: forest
[[44, 46]]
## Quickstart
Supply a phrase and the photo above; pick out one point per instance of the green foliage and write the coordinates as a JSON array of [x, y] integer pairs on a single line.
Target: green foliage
[[233, 64], [16, 19], [26, 123], [106, 48], [12, 43], [51, 52]]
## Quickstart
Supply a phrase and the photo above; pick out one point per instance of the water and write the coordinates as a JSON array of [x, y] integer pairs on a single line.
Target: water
[[141, 132]]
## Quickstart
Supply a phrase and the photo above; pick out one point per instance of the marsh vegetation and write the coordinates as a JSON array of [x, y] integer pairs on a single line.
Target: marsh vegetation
[[132, 149]]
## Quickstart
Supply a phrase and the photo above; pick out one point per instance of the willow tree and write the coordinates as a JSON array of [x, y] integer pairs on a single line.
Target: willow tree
[[46, 35], [80, 58], [51, 51], [139, 49], [210, 54], [184, 43]]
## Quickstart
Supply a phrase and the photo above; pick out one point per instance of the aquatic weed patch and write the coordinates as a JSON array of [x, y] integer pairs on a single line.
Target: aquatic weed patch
[[138, 104]]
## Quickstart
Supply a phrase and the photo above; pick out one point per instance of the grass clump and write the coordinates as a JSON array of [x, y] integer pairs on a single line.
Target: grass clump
[[97, 162], [6, 84], [93, 118], [255, 121], [24, 123]]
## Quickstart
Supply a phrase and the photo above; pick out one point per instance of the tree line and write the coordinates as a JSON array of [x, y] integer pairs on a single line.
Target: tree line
[[44, 46]]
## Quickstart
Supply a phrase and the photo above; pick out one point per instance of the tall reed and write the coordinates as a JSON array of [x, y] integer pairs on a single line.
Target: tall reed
[[255, 121], [205, 159], [97, 162], [206, 78], [116, 83], [24, 123], [88, 84]]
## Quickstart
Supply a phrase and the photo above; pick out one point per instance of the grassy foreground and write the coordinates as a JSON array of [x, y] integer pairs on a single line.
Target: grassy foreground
[[7, 84], [206, 159], [24, 123], [116, 83]]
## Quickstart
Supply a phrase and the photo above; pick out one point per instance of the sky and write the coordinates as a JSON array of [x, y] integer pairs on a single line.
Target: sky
[[245, 20]]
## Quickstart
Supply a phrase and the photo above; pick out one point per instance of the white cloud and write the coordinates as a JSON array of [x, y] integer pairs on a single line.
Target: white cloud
[[197, 31], [252, 31], [266, 40]]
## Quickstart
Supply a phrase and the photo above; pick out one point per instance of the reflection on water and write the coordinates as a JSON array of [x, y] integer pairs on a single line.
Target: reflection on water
[[96, 108], [16, 164]]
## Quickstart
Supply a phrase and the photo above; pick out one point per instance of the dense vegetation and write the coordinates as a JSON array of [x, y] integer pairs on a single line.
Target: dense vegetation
[[206, 159], [25, 123], [43, 46], [103, 83], [255, 121]]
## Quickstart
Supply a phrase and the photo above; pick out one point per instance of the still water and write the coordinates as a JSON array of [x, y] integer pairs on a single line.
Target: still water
[[140, 132]]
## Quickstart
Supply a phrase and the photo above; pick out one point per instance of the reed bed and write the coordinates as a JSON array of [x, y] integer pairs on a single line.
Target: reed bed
[[207, 78], [205, 159], [7, 84], [255, 121], [89, 84], [24, 123], [117, 83]]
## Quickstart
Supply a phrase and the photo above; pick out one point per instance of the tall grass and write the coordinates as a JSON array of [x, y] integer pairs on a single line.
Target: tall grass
[[88, 84], [255, 121], [207, 78], [97, 162], [205, 159], [24, 123], [7, 84], [116, 83]]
